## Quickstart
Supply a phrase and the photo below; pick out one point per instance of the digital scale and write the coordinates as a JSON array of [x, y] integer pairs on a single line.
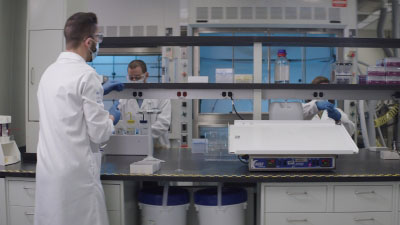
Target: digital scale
[[290, 145]]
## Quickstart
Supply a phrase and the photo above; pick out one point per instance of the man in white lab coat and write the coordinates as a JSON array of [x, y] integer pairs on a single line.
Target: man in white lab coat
[[72, 124], [137, 73], [325, 110]]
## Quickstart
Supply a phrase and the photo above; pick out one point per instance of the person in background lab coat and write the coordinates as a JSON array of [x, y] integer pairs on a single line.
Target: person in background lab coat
[[325, 110], [73, 123], [137, 73]]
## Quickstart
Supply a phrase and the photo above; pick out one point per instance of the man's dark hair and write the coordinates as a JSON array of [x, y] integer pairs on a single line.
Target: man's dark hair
[[138, 63], [79, 27], [319, 80]]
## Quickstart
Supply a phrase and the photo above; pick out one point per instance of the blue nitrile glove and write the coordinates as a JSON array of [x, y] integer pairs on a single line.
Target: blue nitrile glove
[[112, 85], [114, 111], [334, 113], [323, 105]]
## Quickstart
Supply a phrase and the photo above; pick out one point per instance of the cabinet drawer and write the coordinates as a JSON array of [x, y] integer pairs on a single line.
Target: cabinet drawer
[[363, 198], [371, 218], [295, 199], [21, 193], [112, 194], [114, 217], [19, 215]]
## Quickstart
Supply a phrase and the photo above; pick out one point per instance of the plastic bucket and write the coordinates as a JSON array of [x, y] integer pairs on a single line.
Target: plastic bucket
[[231, 211], [153, 212]]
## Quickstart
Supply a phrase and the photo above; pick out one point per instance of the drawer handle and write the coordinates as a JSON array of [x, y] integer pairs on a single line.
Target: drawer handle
[[29, 188], [297, 193], [361, 220], [32, 77], [297, 220], [29, 214], [364, 192]]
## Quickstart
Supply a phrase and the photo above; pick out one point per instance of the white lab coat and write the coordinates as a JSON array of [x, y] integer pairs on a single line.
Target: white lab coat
[[160, 122], [72, 124], [310, 112]]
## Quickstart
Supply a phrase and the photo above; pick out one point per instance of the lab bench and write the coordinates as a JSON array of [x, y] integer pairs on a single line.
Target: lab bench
[[363, 189]]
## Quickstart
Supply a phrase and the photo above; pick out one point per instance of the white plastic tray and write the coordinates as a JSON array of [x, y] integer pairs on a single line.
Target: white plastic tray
[[289, 137]]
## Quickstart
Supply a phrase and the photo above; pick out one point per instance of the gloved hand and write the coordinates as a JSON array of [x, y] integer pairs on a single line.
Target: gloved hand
[[112, 85], [334, 114], [114, 111], [323, 105]]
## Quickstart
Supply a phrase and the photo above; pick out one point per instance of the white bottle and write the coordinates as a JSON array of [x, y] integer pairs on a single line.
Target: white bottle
[[282, 68]]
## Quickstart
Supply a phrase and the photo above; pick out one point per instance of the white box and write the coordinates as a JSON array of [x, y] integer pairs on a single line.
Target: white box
[[224, 75], [145, 167], [197, 79]]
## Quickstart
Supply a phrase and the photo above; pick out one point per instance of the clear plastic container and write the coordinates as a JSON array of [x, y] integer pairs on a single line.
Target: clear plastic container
[[376, 75], [392, 75], [343, 73], [143, 127], [392, 62], [282, 69]]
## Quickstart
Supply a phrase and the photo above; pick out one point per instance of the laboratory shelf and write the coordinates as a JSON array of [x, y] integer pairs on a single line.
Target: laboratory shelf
[[363, 167], [246, 91], [152, 41]]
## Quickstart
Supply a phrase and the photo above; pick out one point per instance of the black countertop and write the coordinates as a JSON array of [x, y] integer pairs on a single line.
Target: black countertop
[[365, 166]]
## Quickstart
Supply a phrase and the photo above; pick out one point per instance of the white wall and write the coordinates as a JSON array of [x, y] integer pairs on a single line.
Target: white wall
[[5, 55], [369, 55], [18, 70], [12, 64]]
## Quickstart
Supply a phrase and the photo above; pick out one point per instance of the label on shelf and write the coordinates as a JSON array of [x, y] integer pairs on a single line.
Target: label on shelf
[[339, 3]]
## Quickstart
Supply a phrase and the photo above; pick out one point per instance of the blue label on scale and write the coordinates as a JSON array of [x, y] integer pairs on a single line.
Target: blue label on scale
[[259, 163]]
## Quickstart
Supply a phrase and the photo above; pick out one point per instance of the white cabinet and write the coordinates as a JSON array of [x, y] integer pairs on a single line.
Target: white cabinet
[[3, 205], [20, 215], [113, 197], [46, 14], [114, 217], [21, 193], [21, 201], [295, 199], [373, 218], [44, 48], [363, 198], [328, 203]]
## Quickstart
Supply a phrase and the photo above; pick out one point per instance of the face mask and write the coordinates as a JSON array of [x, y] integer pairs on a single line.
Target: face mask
[[94, 51]]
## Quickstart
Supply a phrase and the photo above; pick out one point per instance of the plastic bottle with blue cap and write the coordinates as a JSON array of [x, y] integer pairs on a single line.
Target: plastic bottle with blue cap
[[282, 69]]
